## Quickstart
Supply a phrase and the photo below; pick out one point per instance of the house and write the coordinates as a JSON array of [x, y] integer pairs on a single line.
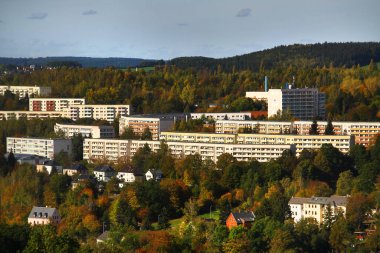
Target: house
[[129, 174], [43, 216], [49, 167], [316, 207], [103, 237], [104, 173], [240, 218], [76, 168], [296, 207], [153, 174]]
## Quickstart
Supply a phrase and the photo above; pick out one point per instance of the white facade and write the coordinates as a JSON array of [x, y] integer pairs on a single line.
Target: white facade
[[262, 127], [102, 112], [31, 115], [104, 173], [22, 91], [222, 116], [53, 104], [364, 132], [304, 103], [317, 207], [301, 142], [114, 149], [38, 146], [86, 131], [44, 216], [198, 137]]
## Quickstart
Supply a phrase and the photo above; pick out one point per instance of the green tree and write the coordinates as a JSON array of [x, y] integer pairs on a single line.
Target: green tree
[[314, 128], [147, 134], [329, 130], [341, 237], [344, 184], [77, 151]]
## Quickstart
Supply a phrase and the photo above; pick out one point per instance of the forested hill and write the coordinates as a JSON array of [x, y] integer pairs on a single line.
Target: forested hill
[[84, 61], [339, 54]]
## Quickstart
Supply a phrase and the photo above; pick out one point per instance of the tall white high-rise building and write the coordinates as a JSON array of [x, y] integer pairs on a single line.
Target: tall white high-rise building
[[304, 103]]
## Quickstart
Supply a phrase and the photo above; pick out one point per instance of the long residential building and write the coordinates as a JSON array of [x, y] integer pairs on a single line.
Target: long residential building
[[5, 115], [53, 104], [303, 103], [86, 131], [23, 91], [258, 126], [38, 146], [365, 133], [301, 142], [198, 137], [156, 123], [115, 149], [101, 112]]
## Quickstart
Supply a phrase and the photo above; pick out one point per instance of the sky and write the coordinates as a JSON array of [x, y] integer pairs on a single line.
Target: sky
[[165, 29]]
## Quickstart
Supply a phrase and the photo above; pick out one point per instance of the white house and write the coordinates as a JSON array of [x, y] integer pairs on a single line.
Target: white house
[[44, 216], [104, 173], [49, 167], [129, 174], [296, 207], [153, 175]]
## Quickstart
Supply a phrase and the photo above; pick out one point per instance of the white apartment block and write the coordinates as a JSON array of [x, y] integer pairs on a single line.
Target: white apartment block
[[316, 207], [262, 127], [198, 137], [38, 146], [86, 131], [304, 103], [222, 116], [156, 123], [301, 142], [365, 133], [31, 115], [101, 112], [114, 149], [22, 91], [53, 104]]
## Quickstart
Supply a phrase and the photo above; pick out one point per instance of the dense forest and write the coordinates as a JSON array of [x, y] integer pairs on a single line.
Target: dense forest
[[353, 93], [165, 216], [312, 55]]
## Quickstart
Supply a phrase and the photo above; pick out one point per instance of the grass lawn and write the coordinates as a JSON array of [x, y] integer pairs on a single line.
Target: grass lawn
[[176, 222]]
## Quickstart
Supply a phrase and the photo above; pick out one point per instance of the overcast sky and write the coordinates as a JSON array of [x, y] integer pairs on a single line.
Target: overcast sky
[[164, 29]]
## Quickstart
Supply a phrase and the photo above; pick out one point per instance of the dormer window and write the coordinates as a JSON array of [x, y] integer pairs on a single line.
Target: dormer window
[[46, 215], [35, 214], [40, 214]]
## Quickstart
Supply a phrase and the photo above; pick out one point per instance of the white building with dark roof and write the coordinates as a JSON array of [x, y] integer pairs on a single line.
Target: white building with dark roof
[[44, 216], [104, 173]]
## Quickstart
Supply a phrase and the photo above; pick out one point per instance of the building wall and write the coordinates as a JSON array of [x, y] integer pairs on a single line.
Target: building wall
[[101, 112], [32, 115], [114, 149], [53, 104], [297, 211], [86, 131], [38, 146], [21, 91], [301, 142], [198, 137], [365, 133]]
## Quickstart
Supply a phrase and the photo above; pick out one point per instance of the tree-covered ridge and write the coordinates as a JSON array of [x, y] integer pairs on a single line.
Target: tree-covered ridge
[[352, 93], [311, 55]]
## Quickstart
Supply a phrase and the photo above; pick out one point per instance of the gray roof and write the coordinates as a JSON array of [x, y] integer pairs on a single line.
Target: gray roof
[[298, 200], [104, 168], [131, 169], [43, 210], [78, 167], [104, 236], [318, 200], [339, 200], [243, 216]]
